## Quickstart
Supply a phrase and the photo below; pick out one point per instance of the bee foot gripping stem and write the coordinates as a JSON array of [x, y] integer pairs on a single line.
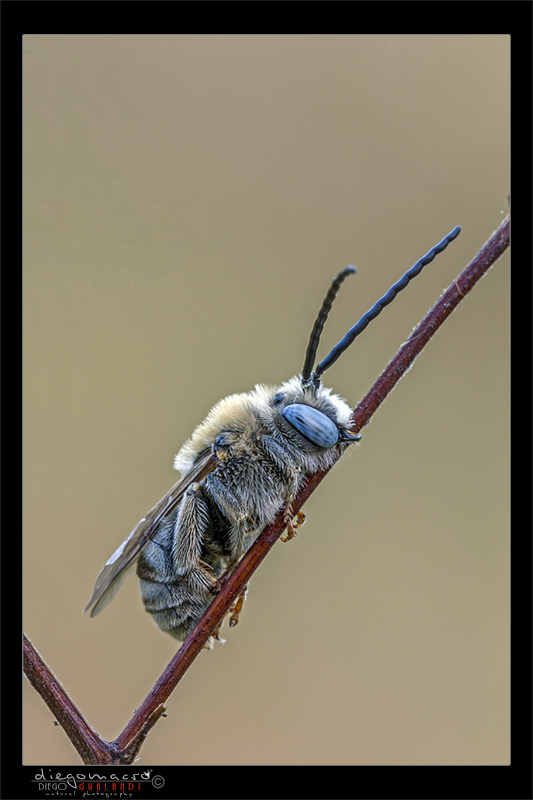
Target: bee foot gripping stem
[[236, 607], [292, 527]]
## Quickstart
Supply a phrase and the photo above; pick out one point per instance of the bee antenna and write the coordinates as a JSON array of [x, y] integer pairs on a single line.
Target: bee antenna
[[376, 309], [318, 327]]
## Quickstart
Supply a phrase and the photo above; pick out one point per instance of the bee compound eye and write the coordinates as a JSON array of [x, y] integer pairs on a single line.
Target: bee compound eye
[[312, 424]]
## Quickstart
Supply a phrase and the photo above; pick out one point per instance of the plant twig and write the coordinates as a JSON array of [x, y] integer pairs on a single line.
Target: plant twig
[[126, 746], [476, 269], [86, 741]]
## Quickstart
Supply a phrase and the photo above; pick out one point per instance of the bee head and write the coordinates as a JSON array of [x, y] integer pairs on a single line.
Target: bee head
[[312, 417]]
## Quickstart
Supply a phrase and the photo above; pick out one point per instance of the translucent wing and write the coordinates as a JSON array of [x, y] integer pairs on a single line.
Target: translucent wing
[[110, 578]]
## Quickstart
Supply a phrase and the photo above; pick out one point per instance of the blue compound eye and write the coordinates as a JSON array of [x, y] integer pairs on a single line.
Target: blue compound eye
[[313, 425]]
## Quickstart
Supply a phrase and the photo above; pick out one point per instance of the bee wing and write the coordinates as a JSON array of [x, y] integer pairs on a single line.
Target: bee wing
[[115, 570]]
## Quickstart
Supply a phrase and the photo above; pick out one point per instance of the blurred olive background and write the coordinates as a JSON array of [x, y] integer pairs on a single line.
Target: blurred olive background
[[187, 200]]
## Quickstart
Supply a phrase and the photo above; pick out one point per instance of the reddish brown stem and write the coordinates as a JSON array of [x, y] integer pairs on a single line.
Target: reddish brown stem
[[86, 741], [476, 269], [123, 750]]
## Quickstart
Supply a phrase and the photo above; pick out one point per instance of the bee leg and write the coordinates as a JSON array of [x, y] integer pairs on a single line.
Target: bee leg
[[236, 607], [226, 501], [300, 519], [216, 636], [287, 466], [291, 526], [220, 582]]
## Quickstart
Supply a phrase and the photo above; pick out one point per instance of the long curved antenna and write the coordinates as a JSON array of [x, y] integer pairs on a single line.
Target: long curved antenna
[[318, 327], [378, 307]]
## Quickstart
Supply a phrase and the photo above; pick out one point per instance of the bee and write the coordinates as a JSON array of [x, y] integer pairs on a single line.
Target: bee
[[243, 464]]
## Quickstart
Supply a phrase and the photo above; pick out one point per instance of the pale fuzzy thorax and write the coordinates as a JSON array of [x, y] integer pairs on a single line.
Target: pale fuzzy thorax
[[243, 412], [235, 412]]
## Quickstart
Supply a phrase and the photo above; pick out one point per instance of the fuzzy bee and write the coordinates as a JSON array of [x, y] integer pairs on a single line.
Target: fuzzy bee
[[241, 466]]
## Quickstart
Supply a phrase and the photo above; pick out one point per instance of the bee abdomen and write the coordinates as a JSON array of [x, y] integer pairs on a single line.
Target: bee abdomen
[[175, 605]]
